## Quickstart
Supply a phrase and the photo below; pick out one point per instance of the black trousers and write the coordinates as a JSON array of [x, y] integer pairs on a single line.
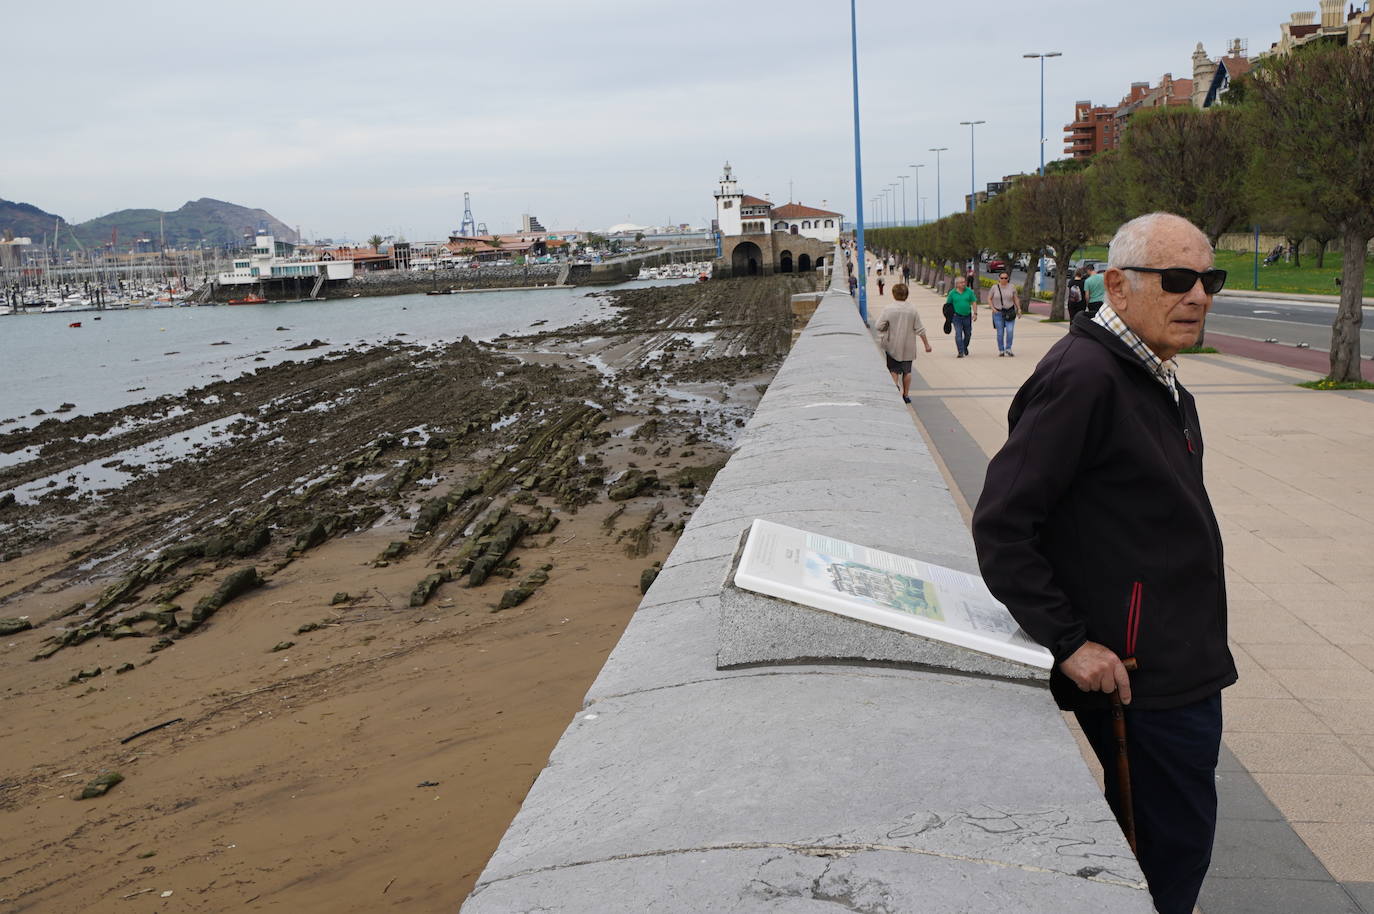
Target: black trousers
[[1173, 756]]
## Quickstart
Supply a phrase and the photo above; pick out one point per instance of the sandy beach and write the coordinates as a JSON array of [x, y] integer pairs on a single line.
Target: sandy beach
[[445, 543]]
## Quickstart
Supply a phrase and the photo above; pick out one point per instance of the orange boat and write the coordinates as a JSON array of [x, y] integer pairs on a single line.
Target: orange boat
[[250, 300], [75, 324]]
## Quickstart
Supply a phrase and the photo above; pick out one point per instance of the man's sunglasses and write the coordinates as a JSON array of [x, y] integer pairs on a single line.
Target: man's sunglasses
[[1181, 279]]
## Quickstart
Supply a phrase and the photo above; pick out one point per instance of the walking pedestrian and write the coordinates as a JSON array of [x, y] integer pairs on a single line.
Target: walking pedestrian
[[964, 301], [853, 284], [1075, 292], [880, 285], [906, 273], [1005, 305], [1094, 291], [1095, 529], [898, 329]]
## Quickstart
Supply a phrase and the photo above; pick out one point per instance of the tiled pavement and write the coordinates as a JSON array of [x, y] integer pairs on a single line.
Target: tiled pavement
[[1291, 475]]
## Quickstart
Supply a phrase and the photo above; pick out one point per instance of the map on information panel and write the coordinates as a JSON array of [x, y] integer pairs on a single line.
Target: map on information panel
[[883, 588]]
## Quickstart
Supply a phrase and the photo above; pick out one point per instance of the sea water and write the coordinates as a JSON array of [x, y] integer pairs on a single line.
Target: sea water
[[131, 356]]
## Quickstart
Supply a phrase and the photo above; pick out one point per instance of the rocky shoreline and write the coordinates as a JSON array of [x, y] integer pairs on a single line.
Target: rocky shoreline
[[368, 570]]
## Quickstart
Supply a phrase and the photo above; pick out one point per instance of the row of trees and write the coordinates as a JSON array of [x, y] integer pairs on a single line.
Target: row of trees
[[1291, 148]]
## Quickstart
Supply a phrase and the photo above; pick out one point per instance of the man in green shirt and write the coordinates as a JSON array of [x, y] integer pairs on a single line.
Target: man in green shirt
[[1094, 291], [964, 301]]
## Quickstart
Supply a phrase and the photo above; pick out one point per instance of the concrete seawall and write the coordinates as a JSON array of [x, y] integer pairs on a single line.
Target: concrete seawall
[[787, 785]]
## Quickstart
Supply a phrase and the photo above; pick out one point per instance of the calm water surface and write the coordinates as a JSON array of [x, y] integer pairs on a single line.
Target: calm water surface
[[130, 356]]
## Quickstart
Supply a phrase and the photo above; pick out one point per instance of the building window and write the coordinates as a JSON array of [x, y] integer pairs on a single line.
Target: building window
[[727, 204], [806, 224], [830, 223]]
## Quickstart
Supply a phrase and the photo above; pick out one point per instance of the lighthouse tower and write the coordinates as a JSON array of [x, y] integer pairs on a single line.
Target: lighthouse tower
[[728, 203]]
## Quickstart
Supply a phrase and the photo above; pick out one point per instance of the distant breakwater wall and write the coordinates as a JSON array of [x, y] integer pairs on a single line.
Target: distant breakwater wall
[[515, 276], [412, 282], [622, 269]]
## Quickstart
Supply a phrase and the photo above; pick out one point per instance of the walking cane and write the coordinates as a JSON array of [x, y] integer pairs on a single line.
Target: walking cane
[[1123, 761]]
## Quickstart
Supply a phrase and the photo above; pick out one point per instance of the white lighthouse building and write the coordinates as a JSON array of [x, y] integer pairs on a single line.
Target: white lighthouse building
[[729, 204]]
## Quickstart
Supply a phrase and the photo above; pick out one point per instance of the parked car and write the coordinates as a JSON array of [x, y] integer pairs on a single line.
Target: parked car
[[997, 266]]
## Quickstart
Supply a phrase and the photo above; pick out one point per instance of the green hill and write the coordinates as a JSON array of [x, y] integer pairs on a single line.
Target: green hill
[[25, 220], [203, 221]]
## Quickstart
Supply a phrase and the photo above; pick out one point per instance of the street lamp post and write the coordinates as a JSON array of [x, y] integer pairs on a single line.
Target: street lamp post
[[939, 213], [921, 212], [917, 176], [904, 177], [893, 189], [1041, 57], [972, 181], [862, 265]]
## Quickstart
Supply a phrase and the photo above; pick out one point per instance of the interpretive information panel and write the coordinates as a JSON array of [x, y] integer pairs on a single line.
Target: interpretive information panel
[[881, 588]]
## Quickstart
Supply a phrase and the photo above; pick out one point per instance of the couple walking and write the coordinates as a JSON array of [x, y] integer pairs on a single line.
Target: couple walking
[[961, 310]]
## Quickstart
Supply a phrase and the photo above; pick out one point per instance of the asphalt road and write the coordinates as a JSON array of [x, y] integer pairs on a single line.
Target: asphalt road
[[1289, 323]]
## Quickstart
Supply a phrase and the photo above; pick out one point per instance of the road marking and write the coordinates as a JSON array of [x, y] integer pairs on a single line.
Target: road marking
[[1258, 311]]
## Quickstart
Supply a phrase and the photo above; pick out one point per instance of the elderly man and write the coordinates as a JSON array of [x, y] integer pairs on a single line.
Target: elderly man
[[1095, 529], [897, 332]]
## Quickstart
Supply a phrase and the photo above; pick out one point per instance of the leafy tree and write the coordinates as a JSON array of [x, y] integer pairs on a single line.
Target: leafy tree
[[1057, 214], [961, 239], [1067, 166], [1001, 228], [1111, 191], [1189, 162], [1317, 111], [375, 242]]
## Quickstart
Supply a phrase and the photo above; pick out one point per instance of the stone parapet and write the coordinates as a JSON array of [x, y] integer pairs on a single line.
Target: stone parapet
[[783, 785]]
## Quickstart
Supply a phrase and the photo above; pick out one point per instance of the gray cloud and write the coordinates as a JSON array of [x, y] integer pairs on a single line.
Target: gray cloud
[[350, 117]]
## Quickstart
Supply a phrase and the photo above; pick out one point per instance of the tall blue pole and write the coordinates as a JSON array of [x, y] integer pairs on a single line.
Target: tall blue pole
[[862, 265], [972, 181]]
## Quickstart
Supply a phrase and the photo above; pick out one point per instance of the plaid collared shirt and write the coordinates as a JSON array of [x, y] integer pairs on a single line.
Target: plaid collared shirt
[[1163, 369]]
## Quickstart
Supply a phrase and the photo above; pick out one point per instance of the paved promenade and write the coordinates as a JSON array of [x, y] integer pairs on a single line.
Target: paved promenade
[[1289, 472]]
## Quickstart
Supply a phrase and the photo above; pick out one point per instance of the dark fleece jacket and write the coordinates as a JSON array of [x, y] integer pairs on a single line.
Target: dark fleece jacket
[[1094, 524]]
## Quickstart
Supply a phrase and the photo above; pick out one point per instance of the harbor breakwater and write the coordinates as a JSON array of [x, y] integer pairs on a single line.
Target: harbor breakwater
[[486, 277]]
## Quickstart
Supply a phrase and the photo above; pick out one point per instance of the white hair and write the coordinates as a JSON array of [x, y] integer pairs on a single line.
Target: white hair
[[1130, 246]]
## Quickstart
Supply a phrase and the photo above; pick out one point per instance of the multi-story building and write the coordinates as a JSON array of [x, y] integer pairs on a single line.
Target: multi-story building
[[1335, 24], [808, 221], [1091, 130], [13, 250], [530, 225], [757, 238], [1211, 78], [277, 260], [1097, 128]]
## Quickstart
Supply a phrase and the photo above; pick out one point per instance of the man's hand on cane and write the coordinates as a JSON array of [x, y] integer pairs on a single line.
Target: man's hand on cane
[[1097, 668]]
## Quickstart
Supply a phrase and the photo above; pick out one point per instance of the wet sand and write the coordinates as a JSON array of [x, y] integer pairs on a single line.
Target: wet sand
[[373, 763]]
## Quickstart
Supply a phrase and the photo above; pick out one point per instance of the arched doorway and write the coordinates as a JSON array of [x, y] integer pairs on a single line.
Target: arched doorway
[[803, 263], [820, 263], [794, 230], [785, 262], [746, 259]]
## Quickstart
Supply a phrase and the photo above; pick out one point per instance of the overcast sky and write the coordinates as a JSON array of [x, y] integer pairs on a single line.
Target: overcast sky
[[348, 118]]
